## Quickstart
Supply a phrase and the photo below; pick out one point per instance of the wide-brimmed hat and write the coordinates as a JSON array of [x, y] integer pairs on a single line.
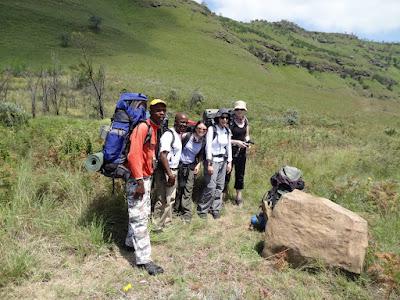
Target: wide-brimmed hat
[[240, 105], [222, 111]]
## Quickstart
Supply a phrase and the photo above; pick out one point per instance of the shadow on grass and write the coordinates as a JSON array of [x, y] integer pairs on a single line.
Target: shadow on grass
[[112, 210], [259, 247]]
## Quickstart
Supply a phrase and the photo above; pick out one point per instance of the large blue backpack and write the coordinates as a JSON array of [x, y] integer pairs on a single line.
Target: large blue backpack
[[129, 112]]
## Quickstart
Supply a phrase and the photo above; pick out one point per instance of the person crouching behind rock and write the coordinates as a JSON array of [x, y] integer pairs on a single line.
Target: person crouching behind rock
[[193, 147], [218, 163]]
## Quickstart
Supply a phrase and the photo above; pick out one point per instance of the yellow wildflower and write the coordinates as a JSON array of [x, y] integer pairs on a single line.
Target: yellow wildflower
[[127, 287]]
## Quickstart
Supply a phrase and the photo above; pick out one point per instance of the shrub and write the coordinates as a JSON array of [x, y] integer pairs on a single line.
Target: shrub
[[384, 196], [390, 131], [291, 117], [196, 99], [12, 115], [65, 38], [173, 95], [95, 23], [70, 148]]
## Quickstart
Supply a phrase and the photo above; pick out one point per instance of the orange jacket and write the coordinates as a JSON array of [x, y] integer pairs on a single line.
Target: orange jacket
[[141, 156]]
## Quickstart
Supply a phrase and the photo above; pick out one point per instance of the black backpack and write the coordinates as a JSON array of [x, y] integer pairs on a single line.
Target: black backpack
[[284, 181]]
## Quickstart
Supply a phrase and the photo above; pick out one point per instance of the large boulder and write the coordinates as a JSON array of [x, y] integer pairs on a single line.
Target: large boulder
[[315, 228]]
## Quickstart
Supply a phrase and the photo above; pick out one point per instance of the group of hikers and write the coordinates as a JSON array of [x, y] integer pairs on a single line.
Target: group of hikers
[[163, 167]]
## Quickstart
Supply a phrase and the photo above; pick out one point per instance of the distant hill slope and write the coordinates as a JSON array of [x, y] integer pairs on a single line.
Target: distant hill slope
[[156, 46]]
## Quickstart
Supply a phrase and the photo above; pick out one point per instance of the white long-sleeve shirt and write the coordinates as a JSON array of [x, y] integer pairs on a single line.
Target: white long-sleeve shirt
[[220, 147]]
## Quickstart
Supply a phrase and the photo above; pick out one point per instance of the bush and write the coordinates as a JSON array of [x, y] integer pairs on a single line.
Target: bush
[[65, 38], [173, 95], [196, 99], [390, 131], [12, 115], [291, 117], [94, 23]]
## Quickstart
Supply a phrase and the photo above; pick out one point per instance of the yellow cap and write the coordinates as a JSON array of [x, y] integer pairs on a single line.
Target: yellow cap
[[157, 101]]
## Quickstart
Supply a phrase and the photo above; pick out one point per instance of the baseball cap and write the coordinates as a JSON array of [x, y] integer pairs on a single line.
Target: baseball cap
[[157, 101]]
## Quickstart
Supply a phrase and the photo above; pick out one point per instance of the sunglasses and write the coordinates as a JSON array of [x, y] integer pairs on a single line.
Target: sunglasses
[[224, 117]]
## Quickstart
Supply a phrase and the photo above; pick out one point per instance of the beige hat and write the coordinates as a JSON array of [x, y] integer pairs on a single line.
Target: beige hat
[[240, 105]]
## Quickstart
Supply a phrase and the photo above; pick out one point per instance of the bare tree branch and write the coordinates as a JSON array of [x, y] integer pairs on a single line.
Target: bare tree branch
[[5, 78], [96, 79], [33, 80]]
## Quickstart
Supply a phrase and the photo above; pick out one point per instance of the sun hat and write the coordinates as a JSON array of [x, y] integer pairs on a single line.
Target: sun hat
[[157, 101], [222, 111], [240, 105]]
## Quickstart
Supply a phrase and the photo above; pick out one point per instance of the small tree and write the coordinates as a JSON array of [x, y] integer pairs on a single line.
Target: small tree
[[65, 39], [33, 80], [44, 84], [95, 23], [55, 84], [96, 78], [5, 78]]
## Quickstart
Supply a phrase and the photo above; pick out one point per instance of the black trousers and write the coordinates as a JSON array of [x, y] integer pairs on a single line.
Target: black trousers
[[239, 164]]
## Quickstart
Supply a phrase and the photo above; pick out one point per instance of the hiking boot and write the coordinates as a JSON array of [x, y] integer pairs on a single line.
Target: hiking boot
[[186, 219], [202, 216], [128, 248], [239, 202], [151, 268], [216, 216]]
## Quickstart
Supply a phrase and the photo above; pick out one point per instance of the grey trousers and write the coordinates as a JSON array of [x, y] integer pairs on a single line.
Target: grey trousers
[[211, 199], [139, 212], [184, 201]]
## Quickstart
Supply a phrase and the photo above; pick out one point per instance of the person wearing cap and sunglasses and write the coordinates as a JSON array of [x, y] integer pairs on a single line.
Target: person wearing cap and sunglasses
[[240, 143], [140, 161], [218, 163]]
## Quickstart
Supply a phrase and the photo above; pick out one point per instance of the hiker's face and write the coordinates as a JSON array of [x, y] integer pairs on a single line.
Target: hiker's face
[[240, 113], [201, 130], [157, 113], [181, 124], [223, 120]]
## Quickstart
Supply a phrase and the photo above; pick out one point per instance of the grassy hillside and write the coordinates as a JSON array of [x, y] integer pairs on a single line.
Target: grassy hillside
[[322, 102]]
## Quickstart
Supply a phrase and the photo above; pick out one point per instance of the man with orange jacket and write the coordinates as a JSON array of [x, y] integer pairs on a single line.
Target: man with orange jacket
[[141, 160]]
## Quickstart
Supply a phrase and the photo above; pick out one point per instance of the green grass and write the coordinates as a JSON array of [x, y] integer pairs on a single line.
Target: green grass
[[61, 231]]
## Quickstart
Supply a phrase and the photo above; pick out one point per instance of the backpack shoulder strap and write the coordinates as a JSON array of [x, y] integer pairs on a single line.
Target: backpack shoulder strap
[[173, 136], [149, 132], [186, 139], [214, 132]]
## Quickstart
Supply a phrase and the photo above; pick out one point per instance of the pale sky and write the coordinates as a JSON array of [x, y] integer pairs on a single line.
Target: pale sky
[[377, 20]]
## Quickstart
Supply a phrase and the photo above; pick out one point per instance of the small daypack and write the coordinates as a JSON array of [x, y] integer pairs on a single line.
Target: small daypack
[[284, 181], [128, 114]]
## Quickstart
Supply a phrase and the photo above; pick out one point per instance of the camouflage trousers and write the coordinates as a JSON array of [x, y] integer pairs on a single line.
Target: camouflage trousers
[[139, 212]]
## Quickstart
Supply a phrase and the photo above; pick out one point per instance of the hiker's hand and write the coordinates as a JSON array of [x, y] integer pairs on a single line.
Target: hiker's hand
[[196, 169], [242, 144], [171, 180], [228, 167], [139, 192], [210, 170]]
